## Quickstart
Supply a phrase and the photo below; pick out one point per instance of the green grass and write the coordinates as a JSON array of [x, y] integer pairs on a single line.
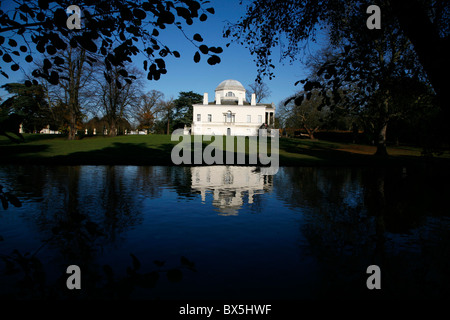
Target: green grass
[[156, 150]]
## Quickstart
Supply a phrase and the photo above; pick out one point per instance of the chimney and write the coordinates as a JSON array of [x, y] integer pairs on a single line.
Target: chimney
[[205, 98], [253, 103], [218, 98]]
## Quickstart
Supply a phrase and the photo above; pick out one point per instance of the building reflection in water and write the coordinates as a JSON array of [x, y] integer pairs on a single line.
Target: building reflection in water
[[229, 186]]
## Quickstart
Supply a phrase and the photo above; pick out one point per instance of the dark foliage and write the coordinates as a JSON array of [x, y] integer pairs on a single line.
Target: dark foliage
[[112, 31]]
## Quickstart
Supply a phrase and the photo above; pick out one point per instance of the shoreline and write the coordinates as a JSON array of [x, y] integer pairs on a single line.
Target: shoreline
[[155, 150]]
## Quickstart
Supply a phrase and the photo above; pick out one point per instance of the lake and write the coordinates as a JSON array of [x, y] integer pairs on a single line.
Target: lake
[[224, 232]]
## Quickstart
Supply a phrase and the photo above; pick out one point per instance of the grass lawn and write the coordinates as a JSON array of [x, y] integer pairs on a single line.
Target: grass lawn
[[156, 150]]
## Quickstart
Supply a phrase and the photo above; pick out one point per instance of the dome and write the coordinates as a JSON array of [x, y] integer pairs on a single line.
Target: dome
[[230, 85]]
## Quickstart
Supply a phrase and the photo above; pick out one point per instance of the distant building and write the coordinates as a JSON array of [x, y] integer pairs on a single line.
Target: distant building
[[46, 130], [230, 113]]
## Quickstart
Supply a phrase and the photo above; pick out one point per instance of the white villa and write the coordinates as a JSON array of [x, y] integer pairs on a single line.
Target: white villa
[[230, 113]]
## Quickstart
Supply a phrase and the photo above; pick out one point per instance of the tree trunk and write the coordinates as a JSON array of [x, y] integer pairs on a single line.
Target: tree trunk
[[75, 65], [72, 132], [431, 49], [311, 132], [112, 129], [381, 143], [168, 124]]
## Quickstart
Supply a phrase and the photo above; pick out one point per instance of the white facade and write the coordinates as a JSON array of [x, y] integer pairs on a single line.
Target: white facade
[[230, 113]]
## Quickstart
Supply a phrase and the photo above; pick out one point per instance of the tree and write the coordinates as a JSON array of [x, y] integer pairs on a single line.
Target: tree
[[167, 108], [260, 89], [184, 108], [27, 102], [115, 30], [423, 24], [363, 68], [76, 73], [115, 99], [305, 114], [146, 109]]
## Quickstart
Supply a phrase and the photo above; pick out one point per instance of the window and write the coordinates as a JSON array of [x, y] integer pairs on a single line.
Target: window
[[229, 94], [199, 117], [209, 117], [229, 117], [249, 118], [260, 119]]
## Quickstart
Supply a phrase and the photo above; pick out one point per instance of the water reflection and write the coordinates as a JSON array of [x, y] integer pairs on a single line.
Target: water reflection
[[316, 231], [230, 186]]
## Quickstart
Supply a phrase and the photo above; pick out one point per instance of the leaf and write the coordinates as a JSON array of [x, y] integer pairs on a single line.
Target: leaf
[[203, 17], [7, 58], [54, 78], [197, 37], [176, 54], [87, 43], [12, 43], [60, 17], [139, 13], [118, 84], [288, 100], [204, 49], [210, 10], [136, 262], [183, 12], [213, 60], [123, 72], [216, 49], [174, 275], [298, 100], [43, 4], [58, 61], [311, 85], [160, 62], [166, 17], [196, 57]]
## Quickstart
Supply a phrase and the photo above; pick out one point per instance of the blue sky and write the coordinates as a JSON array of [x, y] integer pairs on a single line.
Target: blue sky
[[183, 74]]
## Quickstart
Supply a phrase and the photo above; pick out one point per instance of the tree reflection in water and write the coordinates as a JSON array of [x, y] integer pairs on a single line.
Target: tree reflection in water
[[339, 220], [82, 209], [394, 218]]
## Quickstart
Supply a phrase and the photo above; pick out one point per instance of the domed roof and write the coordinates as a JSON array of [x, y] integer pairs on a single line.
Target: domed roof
[[230, 85]]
